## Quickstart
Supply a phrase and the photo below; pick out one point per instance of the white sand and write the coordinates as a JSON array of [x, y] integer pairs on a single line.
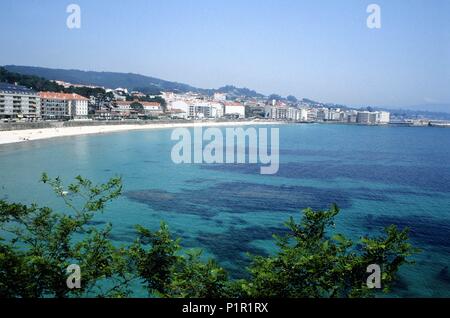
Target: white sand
[[14, 136]]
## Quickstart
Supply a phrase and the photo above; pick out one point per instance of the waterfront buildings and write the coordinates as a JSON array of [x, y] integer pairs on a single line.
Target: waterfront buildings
[[202, 109], [276, 112], [294, 114], [366, 117], [123, 108], [234, 109], [195, 108], [151, 109], [117, 104], [350, 116], [19, 102], [217, 110], [384, 117], [135, 109], [371, 118], [179, 108], [63, 106], [311, 114]]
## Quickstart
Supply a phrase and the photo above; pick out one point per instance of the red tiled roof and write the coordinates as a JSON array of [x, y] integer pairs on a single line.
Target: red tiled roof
[[149, 104], [232, 104], [61, 96]]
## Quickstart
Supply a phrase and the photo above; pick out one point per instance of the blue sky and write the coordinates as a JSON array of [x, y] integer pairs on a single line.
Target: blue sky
[[321, 50]]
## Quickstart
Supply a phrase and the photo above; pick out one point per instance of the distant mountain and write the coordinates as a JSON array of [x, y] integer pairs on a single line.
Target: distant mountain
[[432, 107], [419, 114], [146, 84]]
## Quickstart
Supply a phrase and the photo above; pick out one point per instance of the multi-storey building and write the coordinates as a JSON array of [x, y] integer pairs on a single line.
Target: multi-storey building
[[199, 109], [323, 114], [217, 110], [366, 117], [234, 108], [294, 113], [276, 112], [350, 116], [311, 114], [384, 117], [19, 102], [63, 106]]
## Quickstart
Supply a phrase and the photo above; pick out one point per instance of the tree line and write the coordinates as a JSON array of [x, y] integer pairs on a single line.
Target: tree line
[[41, 84]]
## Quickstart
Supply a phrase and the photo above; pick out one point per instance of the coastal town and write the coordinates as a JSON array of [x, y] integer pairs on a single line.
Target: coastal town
[[83, 102], [20, 103]]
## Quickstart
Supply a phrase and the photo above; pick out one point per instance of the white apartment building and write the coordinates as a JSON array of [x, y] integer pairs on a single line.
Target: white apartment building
[[294, 114], [217, 110], [19, 102], [303, 114], [311, 114], [195, 108], [368, 118], [350, 116], [63, 106], [178, 107], [79, 107], [233, 108], [277, 113], [335, 115], [323, 114], [199, 110], [384, 117]]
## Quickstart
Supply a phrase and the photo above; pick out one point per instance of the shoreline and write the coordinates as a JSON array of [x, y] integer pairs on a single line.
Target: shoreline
[[25, 135]]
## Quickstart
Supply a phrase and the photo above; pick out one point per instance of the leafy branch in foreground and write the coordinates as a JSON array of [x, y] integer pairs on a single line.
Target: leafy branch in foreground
[[38, 244]]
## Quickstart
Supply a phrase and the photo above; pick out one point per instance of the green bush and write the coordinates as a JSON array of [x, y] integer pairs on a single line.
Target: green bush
[[38, 244]]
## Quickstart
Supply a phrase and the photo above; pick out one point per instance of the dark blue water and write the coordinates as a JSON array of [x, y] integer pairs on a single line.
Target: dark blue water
[[377, 175]]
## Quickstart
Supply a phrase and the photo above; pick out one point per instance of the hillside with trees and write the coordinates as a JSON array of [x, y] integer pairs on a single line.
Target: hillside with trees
[[41, 84]]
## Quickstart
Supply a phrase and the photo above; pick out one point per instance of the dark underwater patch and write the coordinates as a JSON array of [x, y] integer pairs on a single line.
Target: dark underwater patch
[[424, 230], [231, 247], [444, 275], [165, 201], [400, 284], [96, 223], [123, 237], [240, 197], [198, 181], [423, 177]]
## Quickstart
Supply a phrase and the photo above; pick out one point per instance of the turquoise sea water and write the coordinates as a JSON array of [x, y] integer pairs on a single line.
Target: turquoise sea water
[[377, 175]]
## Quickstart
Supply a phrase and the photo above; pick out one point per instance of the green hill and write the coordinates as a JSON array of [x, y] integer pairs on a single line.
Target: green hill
[[147, 84]]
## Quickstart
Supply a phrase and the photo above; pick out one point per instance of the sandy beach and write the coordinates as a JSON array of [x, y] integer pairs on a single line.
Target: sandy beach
[[16, 136]]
